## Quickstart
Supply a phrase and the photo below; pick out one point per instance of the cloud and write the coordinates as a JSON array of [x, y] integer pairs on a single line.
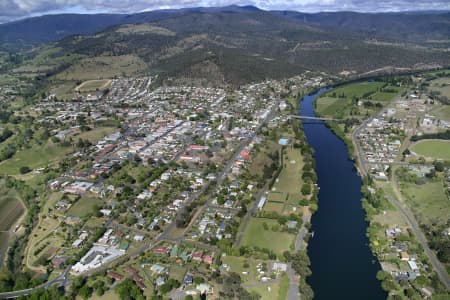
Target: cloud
[[13, 9]]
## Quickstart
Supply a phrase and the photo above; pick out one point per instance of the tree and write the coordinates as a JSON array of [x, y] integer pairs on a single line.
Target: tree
[[129, 291], [306, 189], [24, 170]]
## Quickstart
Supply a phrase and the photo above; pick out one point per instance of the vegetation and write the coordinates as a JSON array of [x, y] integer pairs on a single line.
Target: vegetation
[[432, 149], [257, 236]]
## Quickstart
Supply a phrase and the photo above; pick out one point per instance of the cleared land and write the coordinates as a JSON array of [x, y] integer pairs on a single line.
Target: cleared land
[[439, 149], [272, 291], [144, 29], [287, 187], [342, 101], [267, 291], [238, 265], [95, 134], [11, 208], [35, 157], [428, 201], [256, 235], [84, 206], [93, 85], [104, 67], [442, 112], [441, 85]]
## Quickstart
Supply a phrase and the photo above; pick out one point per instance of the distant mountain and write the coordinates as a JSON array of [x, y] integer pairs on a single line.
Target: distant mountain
[[39, 30], [416, 27], [407, 26], [230, 44]]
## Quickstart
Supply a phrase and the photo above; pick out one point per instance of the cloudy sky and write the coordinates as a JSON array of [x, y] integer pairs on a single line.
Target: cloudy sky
[[16, 9]]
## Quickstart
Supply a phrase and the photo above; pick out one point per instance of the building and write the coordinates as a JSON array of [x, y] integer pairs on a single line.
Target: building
[[114, 275], [404, 256]]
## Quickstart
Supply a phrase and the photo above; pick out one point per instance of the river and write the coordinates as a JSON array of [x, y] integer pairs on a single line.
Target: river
[[342, 264]]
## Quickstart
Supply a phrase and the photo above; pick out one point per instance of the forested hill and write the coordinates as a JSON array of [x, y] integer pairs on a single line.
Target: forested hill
[[426, 26], [233, 45]]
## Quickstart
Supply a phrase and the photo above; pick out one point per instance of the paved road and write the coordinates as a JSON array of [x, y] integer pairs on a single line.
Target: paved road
[[61, 280], [293, 292], [405, 212]]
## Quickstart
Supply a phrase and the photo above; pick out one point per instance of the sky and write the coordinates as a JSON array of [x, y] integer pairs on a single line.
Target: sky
[[17, 9]]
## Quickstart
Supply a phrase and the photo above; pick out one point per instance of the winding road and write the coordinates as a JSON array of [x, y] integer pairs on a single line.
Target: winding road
[[61, 279]]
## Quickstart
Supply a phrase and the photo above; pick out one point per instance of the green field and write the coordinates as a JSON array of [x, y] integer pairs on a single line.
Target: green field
[[93, 85], [290, 179], [35, 157], [274, 206], [84, 206], [268, 291], [104, 67], [442, 112], [441, 85], [11, 208], [272, 291], [144, 28], [236, 265], [276, 241], [95, 134], [438, 149], [341, 102], [428, 201]]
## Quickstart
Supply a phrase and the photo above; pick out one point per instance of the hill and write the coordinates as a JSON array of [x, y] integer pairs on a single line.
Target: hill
[[232, 44], [413, 27]]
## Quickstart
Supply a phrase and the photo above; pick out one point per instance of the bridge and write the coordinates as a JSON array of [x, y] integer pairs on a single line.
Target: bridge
[[314, 118]]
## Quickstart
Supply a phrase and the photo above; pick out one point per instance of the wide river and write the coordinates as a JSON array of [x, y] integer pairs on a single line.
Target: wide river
[[343, 266]]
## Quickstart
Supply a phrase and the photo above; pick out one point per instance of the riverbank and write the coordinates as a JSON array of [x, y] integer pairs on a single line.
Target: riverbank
[[339, 226], [392, 230]]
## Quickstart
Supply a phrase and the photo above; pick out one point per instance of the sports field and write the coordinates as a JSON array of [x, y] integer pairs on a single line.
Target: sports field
[[438, 149]]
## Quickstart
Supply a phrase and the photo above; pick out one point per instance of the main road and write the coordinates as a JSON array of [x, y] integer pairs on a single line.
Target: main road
[[61, 279]]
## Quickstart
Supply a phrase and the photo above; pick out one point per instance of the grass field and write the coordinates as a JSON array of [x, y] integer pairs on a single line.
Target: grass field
[[236, 265], [442, 112], [95, 134], [43, 236], [284, 287], [11, 208], [93, 85], [428, 201], [390, 218], [290, 179], [272, 291], [276, 241], [177, 272], [274, 206], [261, 159], [339, 103], [144, 28], [439, 149], [84, 206], [35, 157], [109, 295], [104, 67], [47, 60], [277, 197], [441, 85], [267, 291]]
